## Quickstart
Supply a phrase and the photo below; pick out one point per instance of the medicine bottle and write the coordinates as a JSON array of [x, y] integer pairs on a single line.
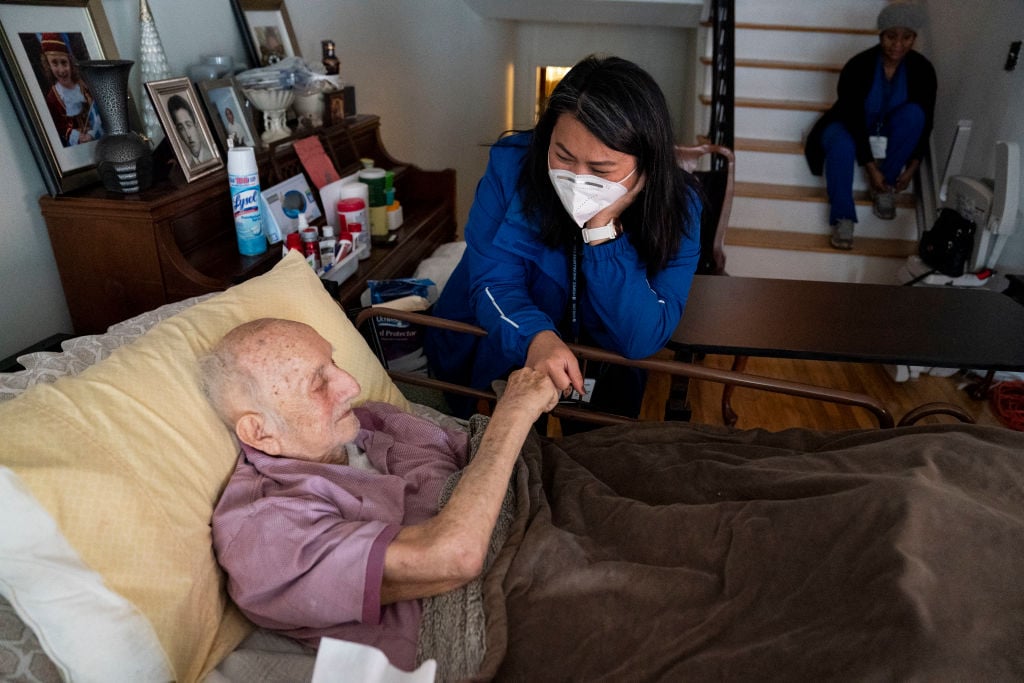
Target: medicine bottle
[[310, 247], [360, 240], [327, 244], [293, 241]]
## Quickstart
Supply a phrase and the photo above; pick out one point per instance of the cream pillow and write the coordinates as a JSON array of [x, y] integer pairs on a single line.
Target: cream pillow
[[128, 460]]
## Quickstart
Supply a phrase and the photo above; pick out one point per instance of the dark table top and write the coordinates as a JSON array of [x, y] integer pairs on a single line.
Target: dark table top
[[841, 321]]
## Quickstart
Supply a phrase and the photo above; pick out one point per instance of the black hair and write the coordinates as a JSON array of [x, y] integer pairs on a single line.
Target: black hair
[[176, 102], [621, 105]]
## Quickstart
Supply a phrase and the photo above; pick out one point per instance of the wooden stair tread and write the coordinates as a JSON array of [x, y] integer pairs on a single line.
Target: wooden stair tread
[[758, 103], [806, 193], [807, 29], [816, 242], [781, 64], [772, 146]]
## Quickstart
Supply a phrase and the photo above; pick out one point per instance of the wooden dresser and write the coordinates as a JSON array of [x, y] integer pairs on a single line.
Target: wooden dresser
[[120, 255]]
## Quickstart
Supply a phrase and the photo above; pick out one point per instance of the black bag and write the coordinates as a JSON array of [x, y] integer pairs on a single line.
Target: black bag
[[948, 245]]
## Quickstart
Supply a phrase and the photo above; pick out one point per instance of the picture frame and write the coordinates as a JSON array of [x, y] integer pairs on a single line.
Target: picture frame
[[63, 144], [339, 105], [267, 30], [229, 113], [180, 114]]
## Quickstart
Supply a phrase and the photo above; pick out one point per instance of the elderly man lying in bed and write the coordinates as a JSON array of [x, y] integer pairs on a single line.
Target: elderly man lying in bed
[[329, 525], [641, 552]]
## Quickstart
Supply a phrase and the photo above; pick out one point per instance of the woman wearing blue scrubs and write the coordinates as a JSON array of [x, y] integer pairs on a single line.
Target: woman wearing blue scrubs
[[881, 121]]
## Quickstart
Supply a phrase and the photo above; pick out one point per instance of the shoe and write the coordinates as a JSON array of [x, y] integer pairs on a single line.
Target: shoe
[[842, 234], [885, 205]]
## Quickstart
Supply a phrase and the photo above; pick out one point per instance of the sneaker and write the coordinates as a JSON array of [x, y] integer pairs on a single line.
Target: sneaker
[[885, 205], [842, 234]]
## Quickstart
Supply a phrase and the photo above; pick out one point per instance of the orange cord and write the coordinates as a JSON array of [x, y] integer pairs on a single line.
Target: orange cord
[[1007, 401]]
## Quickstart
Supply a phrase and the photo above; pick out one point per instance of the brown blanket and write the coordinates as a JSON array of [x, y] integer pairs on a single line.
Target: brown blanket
[[672, 552]]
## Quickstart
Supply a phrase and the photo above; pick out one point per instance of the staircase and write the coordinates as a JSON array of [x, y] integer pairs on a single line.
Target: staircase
[[788, 57]]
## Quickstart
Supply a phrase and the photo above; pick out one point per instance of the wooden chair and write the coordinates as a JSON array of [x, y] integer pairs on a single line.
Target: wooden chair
[[717, 182], [714, 166]]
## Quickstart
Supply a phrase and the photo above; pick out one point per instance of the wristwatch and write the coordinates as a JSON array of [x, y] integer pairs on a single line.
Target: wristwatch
[[605, 232]]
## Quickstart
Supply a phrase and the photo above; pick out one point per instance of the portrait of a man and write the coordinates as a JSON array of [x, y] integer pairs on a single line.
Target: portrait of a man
[[186, 127]]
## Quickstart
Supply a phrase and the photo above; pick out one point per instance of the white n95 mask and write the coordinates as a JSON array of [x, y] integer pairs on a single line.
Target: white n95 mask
[[584, 195]]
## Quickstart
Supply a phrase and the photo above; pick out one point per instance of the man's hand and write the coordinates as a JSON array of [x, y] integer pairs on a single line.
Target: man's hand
[[449, 550], [549, 354], [530, 391]]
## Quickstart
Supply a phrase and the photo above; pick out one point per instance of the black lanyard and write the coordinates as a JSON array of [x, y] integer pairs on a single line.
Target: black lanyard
[[574, 317]]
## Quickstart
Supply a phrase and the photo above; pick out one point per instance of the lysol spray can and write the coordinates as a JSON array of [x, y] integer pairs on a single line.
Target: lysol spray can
[[244, 180]]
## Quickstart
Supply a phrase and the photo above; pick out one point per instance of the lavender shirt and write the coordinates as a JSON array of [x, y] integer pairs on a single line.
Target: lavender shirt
[[303, 543]]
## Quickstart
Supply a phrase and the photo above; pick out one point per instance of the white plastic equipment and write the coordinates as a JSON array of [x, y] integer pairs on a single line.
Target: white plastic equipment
[[991, 204]]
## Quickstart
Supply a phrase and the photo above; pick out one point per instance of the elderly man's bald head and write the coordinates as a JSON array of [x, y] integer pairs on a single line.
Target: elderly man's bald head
[[274, 382], [228, 372]]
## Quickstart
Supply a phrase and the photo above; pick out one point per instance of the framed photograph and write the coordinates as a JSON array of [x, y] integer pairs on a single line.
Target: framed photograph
[[41, 44], [179, 112], [338, 105], [229, 113], [267, 30]]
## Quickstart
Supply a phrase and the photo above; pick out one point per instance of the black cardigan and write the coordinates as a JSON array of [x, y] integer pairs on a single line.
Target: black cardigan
[[855, 82]]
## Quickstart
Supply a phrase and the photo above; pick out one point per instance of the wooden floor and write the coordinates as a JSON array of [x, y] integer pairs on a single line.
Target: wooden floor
[[775, 412]]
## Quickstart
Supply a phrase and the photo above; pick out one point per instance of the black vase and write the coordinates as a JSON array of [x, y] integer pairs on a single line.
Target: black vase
[[123, 157]]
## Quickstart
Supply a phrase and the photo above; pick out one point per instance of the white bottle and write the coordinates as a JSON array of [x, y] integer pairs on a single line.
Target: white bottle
[[327, 245], [360, 240], [244, 181]]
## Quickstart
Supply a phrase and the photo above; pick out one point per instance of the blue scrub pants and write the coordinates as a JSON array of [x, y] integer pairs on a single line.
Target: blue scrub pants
[[903, 127]]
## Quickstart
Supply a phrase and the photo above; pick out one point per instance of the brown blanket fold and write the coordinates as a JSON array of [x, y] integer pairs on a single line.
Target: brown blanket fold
[[672, 552]]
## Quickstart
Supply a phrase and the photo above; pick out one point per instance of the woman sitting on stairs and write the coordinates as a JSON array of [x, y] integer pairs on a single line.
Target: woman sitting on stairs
[[881, 121]]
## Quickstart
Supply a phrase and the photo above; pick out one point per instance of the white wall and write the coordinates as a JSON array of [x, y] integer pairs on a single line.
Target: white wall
[[32, 303], [436, 72], [659, 50]]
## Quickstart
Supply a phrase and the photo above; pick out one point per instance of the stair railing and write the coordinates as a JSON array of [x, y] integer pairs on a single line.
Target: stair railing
[[723, 67]]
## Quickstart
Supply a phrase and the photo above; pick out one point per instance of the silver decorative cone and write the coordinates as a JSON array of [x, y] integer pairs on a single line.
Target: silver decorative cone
[[153, 63]]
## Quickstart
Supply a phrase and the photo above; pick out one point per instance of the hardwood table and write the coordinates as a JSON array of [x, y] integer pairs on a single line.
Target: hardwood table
[[945, 327]]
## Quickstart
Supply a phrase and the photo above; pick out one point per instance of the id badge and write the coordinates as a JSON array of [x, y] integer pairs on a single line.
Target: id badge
[[588, 389], [878, 144]]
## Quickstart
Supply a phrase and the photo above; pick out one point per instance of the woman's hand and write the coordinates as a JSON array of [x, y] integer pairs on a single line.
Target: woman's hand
[[903, 182], [613, 211], [549, 354], [875, 177]]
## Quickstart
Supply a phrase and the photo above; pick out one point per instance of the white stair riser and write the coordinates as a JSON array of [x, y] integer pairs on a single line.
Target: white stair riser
[[812, 217], [781, 169], [809, 265], [860, 14], [773, 124], [795, 46], [810, 86], [786, 169]]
